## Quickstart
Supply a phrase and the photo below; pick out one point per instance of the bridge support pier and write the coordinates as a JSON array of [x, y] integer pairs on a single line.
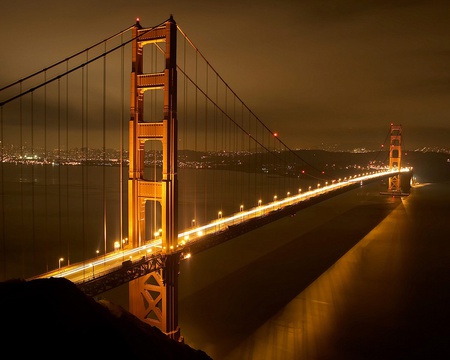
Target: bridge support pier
[[154, 298]]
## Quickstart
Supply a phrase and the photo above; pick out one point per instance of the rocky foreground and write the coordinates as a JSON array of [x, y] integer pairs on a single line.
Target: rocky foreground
[[52, 319]]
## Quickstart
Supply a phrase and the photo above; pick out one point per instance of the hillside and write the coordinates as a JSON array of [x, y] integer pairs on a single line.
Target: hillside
[[53, 320]]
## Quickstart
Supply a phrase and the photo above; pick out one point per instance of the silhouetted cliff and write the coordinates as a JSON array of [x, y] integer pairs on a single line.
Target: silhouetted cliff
[[52, 319]]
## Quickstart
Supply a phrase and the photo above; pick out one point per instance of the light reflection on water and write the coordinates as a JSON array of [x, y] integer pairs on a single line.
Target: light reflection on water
[[305, 328], [367, 304]]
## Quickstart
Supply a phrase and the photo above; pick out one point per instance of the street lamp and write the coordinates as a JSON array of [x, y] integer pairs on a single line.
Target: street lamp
[[259, 202], [97, 252], [241, 208], [92, 265], [219, 216], [193, 222], [59, 262]]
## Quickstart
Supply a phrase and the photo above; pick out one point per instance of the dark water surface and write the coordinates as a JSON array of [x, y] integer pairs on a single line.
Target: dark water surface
[[360, 276]]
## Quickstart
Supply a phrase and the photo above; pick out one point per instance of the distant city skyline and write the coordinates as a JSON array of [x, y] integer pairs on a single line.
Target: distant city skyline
[[324, 75]]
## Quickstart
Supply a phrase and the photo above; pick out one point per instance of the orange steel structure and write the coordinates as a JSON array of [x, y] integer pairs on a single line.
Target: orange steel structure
[[154, 298], [395, 157]]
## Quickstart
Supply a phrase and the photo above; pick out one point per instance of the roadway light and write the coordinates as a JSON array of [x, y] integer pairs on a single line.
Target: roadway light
[[97, 252], [299, 191], [116, 245], [259, 202], [219, 214], [193, 222], [93, 275], [275, 198], [241, 208], [288, 193], [59, 262]]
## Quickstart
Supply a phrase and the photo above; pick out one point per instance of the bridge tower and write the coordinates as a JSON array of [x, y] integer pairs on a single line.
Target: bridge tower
[[395, 156], [154, 298]]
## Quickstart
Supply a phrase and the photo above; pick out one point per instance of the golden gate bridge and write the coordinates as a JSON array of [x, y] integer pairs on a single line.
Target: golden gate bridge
[[161, 138]]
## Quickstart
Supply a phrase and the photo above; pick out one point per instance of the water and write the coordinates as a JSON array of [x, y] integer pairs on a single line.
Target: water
[[360, 276], [74, 212]]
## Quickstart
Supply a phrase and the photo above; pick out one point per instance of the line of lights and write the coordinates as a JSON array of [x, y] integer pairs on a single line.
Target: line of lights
[[217, 225]]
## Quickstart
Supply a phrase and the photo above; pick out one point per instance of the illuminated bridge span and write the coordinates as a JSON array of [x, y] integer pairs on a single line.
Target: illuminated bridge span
[[202, 168]]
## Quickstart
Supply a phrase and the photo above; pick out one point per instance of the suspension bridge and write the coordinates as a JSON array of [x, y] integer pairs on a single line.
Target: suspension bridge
[[115, 170]]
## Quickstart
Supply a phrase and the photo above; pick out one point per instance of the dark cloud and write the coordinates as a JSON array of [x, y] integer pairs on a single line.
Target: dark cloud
[[310, 69]]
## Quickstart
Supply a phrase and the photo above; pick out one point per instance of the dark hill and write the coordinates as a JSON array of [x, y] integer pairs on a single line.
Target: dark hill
[[52, 319]]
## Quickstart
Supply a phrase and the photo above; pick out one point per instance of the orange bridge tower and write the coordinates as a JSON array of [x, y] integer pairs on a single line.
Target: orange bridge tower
[[154, 298], [395, 157], [395, 165]]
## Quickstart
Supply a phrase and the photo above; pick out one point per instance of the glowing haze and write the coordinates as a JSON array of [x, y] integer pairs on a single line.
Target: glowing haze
[[322, 74]]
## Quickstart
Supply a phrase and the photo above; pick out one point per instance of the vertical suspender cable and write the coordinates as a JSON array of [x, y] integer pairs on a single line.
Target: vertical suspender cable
[[184, 183], [122, 121], [215, 142], [252, 166], [195, 135], [68, 232], [2, 205], [104, 152], [224, 141], [236, 149], [33, 220], [155, 152], [86, 129], [60, 250], [243, 176], [46, 227], [185, 145], [206, 140], [84, 162], [21, 230]]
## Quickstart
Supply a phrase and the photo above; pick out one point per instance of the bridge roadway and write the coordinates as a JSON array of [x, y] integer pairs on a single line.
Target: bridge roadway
[[105, 272]]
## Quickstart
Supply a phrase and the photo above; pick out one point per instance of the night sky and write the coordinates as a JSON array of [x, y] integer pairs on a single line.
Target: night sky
[[320, 73]]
